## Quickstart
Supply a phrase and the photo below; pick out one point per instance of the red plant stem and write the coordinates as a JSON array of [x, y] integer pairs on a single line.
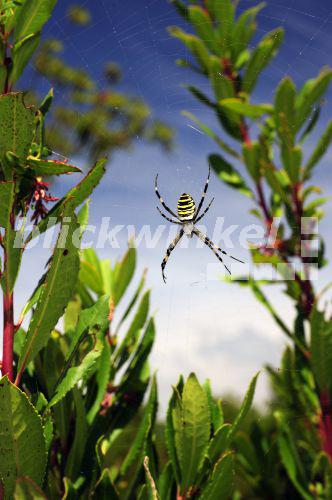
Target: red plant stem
[[8, 335], [325, 424]]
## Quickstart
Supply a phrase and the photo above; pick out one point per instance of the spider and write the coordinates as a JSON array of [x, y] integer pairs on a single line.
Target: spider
[[187, 217]]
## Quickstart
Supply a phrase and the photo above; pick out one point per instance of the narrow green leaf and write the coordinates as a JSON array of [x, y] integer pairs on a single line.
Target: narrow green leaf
[[319, 151], [203, 26], [134, 299], [166, 482], [310, 94], [195, 431], [130, 340], [13, 243], [57, 290], [102, 380], [21, 54], [91, 320], [73, 462], [105, 489], [251, 156], [214, 407], [123, 274], [285, 105], [289, 463], [245, 109], [77, 373], [261, 57], [244, 29], [219, 443], [73, 198], [221, 84], [173, 424], [224, 13], [50, 167], [22, 442], [229, 175], [222, 480], [321, 350], [32, 17], [245, 407], [137, 452], [195, 45]]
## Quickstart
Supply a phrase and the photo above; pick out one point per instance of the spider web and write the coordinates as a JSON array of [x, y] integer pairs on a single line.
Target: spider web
[[134, 35]]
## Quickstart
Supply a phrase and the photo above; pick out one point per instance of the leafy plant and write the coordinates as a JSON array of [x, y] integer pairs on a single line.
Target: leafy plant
[[277, 177]]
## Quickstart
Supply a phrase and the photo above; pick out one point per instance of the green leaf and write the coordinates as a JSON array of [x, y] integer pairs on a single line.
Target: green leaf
[[102, 380], [223, 12], [91, 273], [123, 274], [221, 84], [32, 17], [73, 462], [46, 103], [221, 483], [229, 175], [173, 424], [203, 26], [211, 134], [91, 320], [21, 54], [6, 203], [16, 125], [22, 442], [27, 489], [214, 407], [13, 244], [73, 198], [289, 463], [251, 156], [105, 489], [245, 109], [137, 450], [77, 373], [261, 57], [285, 107], [134, 299], [319, 151], [310, 94], [50, 167], [321, 350], [130, 340], [244, 409], [194, 433], [57, 290], [244, 29], [166, 482], [219, 443], [195, 45]]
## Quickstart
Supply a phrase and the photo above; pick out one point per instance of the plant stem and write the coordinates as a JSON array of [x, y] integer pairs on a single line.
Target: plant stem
[[8, 335]]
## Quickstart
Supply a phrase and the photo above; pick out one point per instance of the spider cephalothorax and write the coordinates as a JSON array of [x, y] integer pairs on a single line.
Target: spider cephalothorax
[[187, 217]]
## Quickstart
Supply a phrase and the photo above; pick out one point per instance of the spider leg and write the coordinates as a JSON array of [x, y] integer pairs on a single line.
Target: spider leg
[[207, 208], [215, 248], [204, 193], [167, 218], [162, 200], [169, 251]]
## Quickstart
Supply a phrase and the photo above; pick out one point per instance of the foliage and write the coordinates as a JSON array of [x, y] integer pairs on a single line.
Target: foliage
[[276, 175], [76, 378]]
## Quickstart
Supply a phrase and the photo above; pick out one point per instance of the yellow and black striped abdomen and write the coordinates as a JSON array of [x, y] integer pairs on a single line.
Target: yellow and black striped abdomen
[[186, 207]]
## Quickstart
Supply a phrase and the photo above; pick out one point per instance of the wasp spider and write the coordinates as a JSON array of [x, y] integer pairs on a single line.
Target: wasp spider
[[187, 217]]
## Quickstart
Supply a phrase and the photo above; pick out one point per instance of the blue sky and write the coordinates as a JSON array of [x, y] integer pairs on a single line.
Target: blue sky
[[213, 328]]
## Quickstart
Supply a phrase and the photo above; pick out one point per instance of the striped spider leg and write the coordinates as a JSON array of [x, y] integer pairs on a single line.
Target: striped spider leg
[[162, 200], [169, 251], [215, 249], [203, 197]]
